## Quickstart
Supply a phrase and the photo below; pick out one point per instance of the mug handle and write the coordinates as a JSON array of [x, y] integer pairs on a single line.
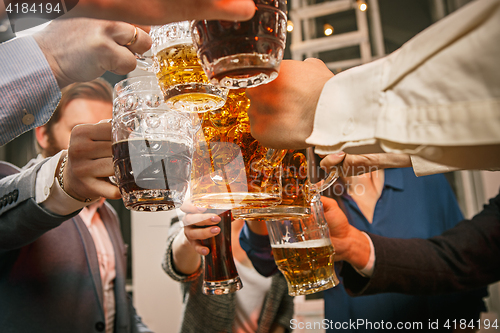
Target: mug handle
[[144, 62], [274, 157], [315, 188]]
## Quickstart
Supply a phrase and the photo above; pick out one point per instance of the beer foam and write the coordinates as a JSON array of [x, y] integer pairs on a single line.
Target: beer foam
[[306, 244]]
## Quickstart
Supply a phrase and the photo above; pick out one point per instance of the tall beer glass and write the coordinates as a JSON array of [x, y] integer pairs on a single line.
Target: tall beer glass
[[152, 146], [230, 168], [178, 70], [303, 251], [243, 54], [220, 274], [301, 182]]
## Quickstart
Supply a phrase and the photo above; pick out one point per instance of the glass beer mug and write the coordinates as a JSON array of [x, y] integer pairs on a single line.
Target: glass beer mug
[[152, 146], [182, 80], [220, 275], [303, 251], [230, 168], [300, 176], [243, 54]]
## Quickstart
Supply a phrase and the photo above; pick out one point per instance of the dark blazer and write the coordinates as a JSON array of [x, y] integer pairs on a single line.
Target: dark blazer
[[49, 272], [462, 258]]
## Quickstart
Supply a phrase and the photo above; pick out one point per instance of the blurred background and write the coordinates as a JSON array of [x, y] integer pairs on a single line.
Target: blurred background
[[343, 33]]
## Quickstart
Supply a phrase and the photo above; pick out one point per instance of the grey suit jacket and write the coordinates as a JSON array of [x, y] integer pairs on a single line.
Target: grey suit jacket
[[216, 313], [49, 272]]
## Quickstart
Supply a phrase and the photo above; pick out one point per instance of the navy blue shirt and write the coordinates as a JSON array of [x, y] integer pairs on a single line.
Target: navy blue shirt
[[409, 207]]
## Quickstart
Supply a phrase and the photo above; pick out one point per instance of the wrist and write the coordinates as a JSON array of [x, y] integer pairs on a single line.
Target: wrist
[[354, 248], [60, 176], [185, 258]]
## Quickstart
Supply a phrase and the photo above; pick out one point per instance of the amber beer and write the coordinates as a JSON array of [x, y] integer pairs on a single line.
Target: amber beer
[[183, 81], [296, 191], [152, 175], [307, 266], [230, 167], [220, 275]]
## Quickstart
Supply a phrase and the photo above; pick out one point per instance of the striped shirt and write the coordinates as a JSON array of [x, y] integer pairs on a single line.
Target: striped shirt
[[29, 90]]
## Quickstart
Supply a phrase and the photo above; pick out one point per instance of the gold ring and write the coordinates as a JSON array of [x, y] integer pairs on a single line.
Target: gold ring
[[134, 39]]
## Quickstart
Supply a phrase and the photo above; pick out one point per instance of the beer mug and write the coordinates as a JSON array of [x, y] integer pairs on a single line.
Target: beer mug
[[300, 176], [152, 146], [178, 70], [243, 54], [230, 168], [220, 275], [303, 251]]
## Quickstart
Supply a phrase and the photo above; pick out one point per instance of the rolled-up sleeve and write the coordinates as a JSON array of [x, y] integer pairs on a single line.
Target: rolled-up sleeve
[[442, 88]]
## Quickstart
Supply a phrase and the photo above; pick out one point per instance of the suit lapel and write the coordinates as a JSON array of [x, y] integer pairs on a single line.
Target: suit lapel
[[112, 226], [91, 255]]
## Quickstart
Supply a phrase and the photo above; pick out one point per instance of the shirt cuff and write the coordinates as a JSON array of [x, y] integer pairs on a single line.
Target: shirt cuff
[[50, 195], [367, 271], [45, 178], [347, 110], [423, 167]]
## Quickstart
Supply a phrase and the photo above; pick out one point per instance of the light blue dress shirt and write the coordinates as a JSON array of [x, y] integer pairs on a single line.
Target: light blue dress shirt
[[29, 92]]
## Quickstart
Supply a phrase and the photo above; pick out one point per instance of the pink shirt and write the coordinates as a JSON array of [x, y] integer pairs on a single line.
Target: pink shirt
[[106, 258]]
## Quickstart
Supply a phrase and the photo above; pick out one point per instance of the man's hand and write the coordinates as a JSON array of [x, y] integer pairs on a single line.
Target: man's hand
[[282, 112], [355, 165], [158, 12], [350, 244], [90, 163], [79, 50]]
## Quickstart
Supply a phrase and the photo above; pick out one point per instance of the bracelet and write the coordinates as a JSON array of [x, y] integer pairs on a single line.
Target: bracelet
[[61, 179]]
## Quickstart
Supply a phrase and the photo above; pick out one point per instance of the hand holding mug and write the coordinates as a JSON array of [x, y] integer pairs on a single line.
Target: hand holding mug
[[89, 163]]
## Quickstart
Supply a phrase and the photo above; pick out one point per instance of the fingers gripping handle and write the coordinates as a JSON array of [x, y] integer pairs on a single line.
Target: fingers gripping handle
[[317, 185], [145, 62]]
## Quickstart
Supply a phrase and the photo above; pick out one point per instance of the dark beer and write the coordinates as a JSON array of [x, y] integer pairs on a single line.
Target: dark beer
[[151, 174], [220, 276], [240, 54]]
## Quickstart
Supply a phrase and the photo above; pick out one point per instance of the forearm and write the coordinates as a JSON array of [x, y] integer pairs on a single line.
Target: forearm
[[22, 219], [355, 248], [393, 104], [186, 260], [25, 223], [30, 92], [462, 258]]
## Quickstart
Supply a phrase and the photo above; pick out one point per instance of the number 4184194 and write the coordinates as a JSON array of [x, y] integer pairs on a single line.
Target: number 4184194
[[25, 8], [478, 324]]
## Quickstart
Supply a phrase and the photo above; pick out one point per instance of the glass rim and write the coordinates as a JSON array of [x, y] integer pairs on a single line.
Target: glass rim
[[125, 86]]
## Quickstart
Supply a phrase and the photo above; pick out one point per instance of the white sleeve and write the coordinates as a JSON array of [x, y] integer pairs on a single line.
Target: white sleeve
[[442, 88], [48, 192]]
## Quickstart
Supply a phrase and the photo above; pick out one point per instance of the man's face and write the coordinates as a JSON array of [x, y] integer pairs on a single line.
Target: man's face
[[78, 111]]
